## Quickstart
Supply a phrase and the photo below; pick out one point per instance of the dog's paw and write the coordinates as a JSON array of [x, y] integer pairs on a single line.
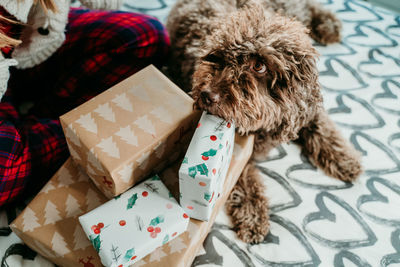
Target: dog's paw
[[326, 28], [347, 167], [253, 230], [249, 216]]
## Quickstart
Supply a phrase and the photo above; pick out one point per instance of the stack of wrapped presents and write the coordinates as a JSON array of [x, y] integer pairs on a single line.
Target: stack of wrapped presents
[[144, 183]]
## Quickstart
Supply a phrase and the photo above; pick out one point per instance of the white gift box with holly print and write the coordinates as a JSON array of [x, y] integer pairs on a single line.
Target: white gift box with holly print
[[204, 167], [132, 225]]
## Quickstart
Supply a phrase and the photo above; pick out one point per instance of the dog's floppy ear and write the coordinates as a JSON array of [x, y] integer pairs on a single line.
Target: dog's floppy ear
[[305, 69], [290, 55], [297, 64]]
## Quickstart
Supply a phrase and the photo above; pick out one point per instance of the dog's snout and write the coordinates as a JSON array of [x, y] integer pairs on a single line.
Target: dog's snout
[[205, 98], [209, 98]]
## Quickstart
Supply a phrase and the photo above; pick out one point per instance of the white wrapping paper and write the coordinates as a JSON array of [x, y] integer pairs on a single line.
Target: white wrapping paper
[[132, 225], [203, 170]]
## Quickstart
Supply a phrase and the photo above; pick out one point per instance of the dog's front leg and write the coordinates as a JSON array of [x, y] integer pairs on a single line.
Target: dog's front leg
[[248, 206], [327, 149]]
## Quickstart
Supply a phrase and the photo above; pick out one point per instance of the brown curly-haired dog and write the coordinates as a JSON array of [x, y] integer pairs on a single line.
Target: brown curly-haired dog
[[248, 64]]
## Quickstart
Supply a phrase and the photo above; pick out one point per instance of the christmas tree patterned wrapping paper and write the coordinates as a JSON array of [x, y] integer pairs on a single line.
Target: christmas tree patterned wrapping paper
[[204, 167], [120, 136], [135, 223], [49, 224]]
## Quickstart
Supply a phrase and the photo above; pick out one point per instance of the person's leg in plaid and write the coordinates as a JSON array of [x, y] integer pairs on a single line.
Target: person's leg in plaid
[[101, 49]]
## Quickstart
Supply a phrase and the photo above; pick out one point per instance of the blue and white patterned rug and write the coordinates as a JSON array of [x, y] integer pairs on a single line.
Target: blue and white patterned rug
[[316, 220]]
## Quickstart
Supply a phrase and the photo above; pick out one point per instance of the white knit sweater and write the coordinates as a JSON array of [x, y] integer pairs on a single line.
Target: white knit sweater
[[44, 32], [4, 73]]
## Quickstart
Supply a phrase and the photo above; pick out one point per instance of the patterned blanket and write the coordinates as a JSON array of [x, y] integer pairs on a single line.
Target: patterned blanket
[[316, 220]]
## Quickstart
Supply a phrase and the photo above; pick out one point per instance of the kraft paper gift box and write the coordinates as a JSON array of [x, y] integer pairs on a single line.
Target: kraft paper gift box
[[49, 224], [205, 165], [122, 134], [130, 226]]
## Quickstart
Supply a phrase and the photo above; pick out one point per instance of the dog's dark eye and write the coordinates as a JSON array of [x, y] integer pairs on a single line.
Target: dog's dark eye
[[214, 58], [259, 67]]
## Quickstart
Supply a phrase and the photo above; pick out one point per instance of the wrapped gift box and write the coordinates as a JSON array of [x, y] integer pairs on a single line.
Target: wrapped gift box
[[205, 165], [121, 135], [130, 226], [50, 226]]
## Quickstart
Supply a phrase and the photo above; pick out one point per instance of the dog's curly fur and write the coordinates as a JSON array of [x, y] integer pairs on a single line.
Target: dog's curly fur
[[252, 62]]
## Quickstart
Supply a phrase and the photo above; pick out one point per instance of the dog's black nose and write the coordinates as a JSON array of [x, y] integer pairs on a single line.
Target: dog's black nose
[[205, 98], [208, 98]]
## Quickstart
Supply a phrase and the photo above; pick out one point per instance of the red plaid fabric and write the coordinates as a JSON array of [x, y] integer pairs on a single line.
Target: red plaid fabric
[[10, 29], [101, 49]]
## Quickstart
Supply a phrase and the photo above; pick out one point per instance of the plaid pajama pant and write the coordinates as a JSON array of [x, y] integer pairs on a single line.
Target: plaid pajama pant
[[101, 49]]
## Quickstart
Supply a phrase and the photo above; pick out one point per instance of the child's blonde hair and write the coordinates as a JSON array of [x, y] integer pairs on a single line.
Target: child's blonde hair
[[47, 4], [6, 41]]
